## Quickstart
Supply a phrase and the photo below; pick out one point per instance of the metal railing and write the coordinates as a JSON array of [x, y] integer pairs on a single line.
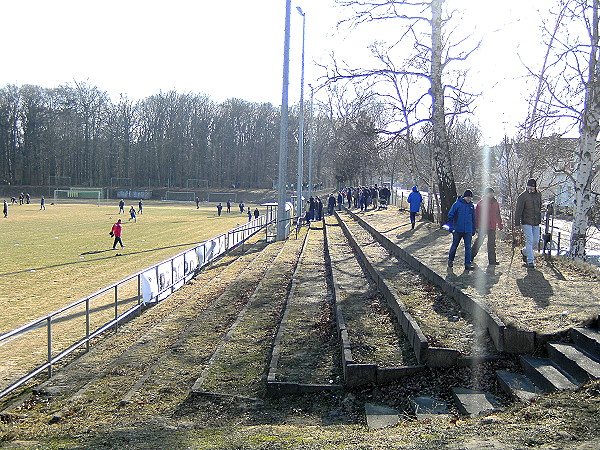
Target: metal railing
[[108, 307]]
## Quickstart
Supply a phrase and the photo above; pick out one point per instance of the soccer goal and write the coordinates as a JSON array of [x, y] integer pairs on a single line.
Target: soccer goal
[[180, 196], [96, 194], [222, 197]]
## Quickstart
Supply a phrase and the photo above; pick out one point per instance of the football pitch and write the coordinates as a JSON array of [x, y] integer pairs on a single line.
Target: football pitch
[[52, 258]]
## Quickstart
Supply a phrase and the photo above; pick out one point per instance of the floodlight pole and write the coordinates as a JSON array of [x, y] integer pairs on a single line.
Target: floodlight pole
[[310, 141], [301, 126], [283, 131]]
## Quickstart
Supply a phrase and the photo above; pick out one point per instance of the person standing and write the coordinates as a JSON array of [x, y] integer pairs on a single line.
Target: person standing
[[375, 196], [330, 204], [488, 219], [256, 213], [219, 208], [385, 193], [241, 205], [462, 220], [228, 206], [249, 214], [319, 209], [312, 207], [414, 200], [116, 231], [43, 204], [140, 206], [528, 215], [5, 209], [122, 206], [197, 202]]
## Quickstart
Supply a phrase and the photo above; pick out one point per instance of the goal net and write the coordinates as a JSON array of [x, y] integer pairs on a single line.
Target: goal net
[[222, 197], [179, 196], [96, 194]]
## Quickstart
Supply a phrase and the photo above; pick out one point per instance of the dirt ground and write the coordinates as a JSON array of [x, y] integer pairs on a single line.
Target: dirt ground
[[557, 294]]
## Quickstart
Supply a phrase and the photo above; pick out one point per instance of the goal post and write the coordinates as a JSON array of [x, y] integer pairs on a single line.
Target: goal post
[[179, 196], [222, 197], [96, 194]]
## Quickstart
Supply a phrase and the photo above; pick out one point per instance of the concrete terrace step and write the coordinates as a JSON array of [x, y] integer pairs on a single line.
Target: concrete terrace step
[[425, 408], [305, 356], [518, 386], [546, 375], [380, 416], [574, 361], [588, 339], [415, 307], [239, 365], [474, 403], [372, 345]]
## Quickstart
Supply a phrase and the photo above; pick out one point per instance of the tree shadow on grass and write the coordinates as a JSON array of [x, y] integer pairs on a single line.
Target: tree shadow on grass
[[85, 261]]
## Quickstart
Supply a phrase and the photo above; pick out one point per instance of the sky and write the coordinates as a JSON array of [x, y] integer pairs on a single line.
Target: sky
[[234, 48]]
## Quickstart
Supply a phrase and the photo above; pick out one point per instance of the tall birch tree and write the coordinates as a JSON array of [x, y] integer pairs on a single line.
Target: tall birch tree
[[568, 97]]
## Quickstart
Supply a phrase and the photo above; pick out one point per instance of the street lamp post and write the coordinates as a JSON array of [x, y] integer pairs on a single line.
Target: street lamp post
[[283, 130], [301, 126]]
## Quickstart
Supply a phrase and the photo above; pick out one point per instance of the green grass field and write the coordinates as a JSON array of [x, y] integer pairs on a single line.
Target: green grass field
[[52, 258]]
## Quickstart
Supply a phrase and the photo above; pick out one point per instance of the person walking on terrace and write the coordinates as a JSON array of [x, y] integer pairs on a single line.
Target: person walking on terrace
[[461, 219], [414, 200], [528, 215], [488, 219]]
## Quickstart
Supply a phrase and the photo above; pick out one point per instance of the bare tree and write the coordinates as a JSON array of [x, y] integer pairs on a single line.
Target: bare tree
[[568, 97], [426, 38]]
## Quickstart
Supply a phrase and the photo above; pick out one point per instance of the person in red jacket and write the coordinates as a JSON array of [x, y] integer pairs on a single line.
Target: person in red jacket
[[488, 219], [116, 231]]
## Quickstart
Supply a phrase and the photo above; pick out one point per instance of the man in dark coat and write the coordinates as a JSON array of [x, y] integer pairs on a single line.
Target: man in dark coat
[[528, 215]]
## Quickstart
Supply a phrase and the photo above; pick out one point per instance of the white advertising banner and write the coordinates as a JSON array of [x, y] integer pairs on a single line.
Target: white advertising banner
[[165, 274], [178, 272], [149, 286], [191, 262], [201, 252]]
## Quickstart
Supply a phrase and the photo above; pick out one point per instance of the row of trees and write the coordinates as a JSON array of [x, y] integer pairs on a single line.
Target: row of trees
[[76, 131]]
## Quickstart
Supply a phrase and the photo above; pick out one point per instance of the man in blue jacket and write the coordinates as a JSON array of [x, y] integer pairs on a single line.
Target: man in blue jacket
[[462, 220], [414, 199]]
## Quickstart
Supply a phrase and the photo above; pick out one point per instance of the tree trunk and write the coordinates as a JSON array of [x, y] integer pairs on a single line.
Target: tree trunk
[[590, 128], [441, 148]]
